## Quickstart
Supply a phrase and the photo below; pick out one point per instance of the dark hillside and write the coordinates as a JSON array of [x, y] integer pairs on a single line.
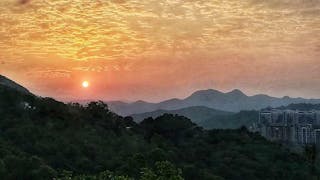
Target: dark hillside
[[41, 138]]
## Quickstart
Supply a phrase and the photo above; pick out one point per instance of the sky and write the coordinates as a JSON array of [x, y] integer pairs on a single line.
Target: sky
[[159, 49]]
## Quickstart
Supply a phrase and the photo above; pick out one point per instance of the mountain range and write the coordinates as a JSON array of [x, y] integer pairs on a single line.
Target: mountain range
[[197, 114], [206, 117], [233, 101], [41, 138], [207, 108]]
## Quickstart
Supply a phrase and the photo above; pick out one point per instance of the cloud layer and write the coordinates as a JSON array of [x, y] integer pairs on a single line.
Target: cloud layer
[[217, 44]]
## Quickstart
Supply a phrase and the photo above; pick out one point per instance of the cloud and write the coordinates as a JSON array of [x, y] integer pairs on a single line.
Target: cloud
[[110, 30], [23, 1], [49, 73], [289, 4], [155, 37]]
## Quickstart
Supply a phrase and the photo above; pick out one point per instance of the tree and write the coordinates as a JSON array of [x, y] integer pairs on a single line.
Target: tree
[[2, 168], [97, 107], [163, 170], [311, 155], [106, 175]]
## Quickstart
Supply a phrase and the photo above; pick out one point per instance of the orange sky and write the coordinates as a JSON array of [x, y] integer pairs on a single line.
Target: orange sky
[[158, 49]]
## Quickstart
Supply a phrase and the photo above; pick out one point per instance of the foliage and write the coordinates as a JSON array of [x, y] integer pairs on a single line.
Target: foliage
[[162, 171], [41, 138], [232, 121], [106, 175]]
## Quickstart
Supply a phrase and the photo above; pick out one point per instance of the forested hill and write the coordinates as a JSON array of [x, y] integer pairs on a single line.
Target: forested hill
[[41, 139], [301, 107], [5, 82]]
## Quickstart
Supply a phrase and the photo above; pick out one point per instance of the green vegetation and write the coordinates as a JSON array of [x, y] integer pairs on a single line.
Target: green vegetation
[[41, 138], [231, 121], [162, 171]]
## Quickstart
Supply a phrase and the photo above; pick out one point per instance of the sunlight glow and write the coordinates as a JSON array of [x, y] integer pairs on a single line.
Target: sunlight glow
[[85, 84]]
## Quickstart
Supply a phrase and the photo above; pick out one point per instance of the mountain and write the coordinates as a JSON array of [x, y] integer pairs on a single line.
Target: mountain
[[197, 114], [51, 140], [208, 118], [233, 101], [5, 82], [301, 107], [126, 109]]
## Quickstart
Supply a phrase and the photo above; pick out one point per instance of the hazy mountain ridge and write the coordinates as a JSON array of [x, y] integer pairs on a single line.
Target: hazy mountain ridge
[[197, 113], [233, 101]]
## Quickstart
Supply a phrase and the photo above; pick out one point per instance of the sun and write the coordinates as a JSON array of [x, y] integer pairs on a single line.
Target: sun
[[85, 84]]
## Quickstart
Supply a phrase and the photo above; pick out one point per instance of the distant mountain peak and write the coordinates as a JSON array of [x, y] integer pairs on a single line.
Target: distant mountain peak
[[237, 92], [140, 102], [206, 92], [211, 93], [4, 81]]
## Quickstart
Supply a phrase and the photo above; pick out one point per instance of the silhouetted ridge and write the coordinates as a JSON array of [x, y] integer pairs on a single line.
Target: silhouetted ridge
[[206, 93], [11, 84], [236, 92]]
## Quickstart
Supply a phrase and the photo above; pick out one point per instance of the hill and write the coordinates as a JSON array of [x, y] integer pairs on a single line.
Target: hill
[[41, 138], [208, 118], [196, 114], [5, 82], [234, 101], [301, 107]]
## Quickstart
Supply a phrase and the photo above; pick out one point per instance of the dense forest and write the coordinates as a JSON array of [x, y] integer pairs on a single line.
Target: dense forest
[[41, 138]]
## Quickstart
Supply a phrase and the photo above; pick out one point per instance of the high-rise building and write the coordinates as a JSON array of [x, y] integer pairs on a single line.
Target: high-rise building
[[290, 127]]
